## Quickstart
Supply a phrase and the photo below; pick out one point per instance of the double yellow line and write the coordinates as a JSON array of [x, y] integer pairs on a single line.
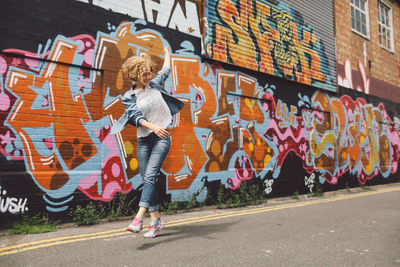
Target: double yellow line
[[118, 232]]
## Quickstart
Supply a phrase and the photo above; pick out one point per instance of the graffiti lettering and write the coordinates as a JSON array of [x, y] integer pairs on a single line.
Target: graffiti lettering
[[265, 38], [287, 116], [165, 13], [231, 129], [268, 186], [398, 69], [358, 140], [309, 181], [347, 79], [12, 205], [52, 114]]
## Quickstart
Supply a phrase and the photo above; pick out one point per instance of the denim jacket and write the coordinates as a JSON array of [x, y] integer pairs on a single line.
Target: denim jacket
[[133, 115]]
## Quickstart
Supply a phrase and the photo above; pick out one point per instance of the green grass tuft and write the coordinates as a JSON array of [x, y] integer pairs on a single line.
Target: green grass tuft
[[34, 225], [296, 195]]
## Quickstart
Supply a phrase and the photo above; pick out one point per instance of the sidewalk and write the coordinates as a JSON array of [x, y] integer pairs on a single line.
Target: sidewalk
[[68, 230]]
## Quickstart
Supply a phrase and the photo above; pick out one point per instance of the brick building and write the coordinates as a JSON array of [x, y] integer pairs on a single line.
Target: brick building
[[368, 42]]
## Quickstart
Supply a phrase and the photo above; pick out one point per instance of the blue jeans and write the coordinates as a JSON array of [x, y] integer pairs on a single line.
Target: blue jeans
[[151, 152]]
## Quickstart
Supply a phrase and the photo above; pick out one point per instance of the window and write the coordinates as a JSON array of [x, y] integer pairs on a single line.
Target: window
[[385, 26], [359, 17]]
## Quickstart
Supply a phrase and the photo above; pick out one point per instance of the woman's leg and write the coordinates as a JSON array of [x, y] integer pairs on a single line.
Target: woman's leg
[[143, 154], [144, 146], [154, 215], [141, 212], [159, 151]]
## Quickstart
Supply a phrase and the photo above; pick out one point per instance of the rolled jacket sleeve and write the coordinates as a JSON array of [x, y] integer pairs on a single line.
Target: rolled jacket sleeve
[[132, 114], [135, 116], [162, 75]]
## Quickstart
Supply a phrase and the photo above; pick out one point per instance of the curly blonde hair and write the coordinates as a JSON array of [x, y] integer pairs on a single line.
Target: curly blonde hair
[[135, 66]]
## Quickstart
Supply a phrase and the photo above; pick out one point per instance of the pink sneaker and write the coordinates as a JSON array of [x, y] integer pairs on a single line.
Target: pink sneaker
[[136, 225], [155, 229]]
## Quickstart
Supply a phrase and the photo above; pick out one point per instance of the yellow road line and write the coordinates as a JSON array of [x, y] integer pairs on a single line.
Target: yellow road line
[[284, 206], [122, 231]]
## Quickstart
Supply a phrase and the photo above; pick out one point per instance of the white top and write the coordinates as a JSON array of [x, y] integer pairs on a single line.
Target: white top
[[153, 107]]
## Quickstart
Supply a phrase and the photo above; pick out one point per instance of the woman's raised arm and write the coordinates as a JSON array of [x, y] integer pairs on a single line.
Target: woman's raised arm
[[167, 57]]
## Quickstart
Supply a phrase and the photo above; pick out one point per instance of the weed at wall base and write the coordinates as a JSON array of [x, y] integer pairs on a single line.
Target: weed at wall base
[[365, 187], [319, 191], [192, 203], [296, 195], [120, 207], [90, 214], [34, 225], [170, 207], [347, 187], [243, 196]]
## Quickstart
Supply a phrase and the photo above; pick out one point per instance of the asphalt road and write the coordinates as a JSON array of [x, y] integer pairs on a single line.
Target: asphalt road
[[345, 229]]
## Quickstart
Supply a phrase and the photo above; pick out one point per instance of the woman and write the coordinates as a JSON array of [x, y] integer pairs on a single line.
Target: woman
[[148, 107]]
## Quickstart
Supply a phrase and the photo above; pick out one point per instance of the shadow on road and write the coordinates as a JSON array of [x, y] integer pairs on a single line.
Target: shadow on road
[[187, 231]]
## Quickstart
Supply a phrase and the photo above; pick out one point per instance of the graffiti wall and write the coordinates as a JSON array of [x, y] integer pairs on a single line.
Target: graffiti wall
[[59, 97], [284, 38]]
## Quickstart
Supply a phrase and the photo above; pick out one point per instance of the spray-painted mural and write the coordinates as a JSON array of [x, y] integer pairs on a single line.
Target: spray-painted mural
[[360, 80], [181, 15], [346, 80], [398, 69], [57, 105], [270, 38]]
